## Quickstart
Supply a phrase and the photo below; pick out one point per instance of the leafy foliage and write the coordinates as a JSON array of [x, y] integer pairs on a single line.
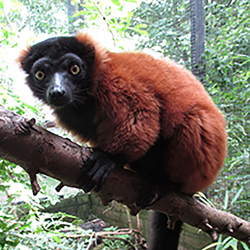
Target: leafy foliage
[[112, 16], [227, 243], [228, 64], [36, 230], [43, 16], [168, 27]]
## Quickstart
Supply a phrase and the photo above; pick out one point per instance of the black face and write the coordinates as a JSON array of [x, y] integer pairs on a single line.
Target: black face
[[60, 70]]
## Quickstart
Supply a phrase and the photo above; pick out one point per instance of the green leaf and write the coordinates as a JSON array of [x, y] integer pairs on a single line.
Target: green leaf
[[236, 195], [3, 240], [226, 198], [244, 245], [116, 2], [56, 238], [212, 245]]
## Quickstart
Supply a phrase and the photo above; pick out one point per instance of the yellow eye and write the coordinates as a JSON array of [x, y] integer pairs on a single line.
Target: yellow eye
[[75, 69], [39, 75]]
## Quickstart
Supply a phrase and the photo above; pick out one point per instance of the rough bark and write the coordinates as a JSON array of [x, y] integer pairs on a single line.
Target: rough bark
[[39, 151]]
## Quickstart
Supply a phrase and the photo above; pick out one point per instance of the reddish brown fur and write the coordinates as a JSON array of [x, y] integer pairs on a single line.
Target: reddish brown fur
[[141, 98], [22, 56]]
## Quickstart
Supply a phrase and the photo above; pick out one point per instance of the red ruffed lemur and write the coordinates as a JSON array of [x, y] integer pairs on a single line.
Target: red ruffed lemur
[[150, 114]]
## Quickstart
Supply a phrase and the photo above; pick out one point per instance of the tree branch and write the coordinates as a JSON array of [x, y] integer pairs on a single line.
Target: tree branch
[[39, 151]]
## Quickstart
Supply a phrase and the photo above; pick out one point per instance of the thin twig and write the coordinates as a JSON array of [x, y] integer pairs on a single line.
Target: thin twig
[[90, 240], [109, 208], [7, 18], [105, 20]]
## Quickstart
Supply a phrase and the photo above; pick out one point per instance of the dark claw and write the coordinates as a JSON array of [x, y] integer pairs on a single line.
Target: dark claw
[[24, 126], [97, 168]]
